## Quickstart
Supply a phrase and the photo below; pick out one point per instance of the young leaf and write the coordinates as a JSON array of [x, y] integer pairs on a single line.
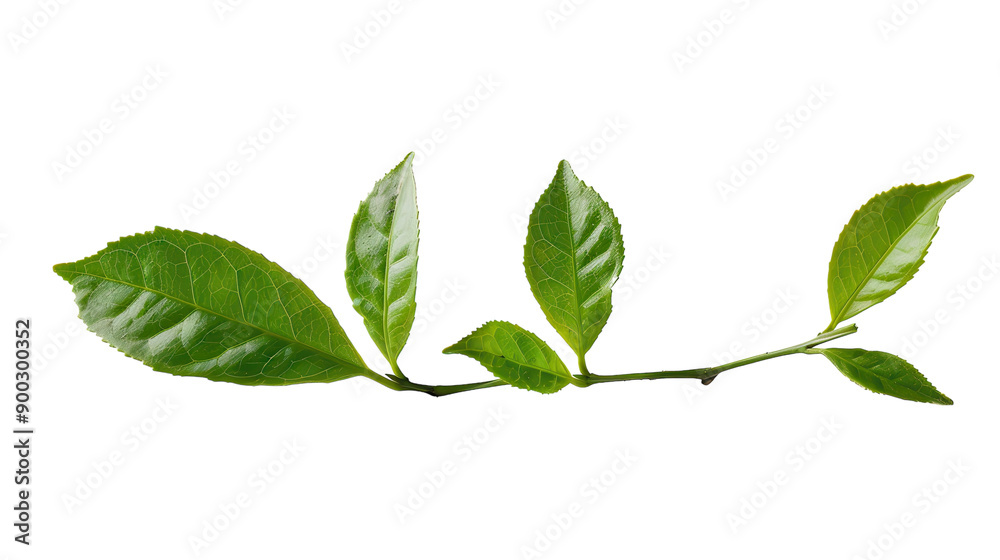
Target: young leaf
[[884, 373], [382, 260], [572, 258], [516, 356], [884, 244], [199, 305]]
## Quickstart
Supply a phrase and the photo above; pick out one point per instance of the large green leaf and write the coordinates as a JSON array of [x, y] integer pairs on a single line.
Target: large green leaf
[[884, 244], [382, 260], [516, 356], [199, 305], [884, 373], [573, 257]]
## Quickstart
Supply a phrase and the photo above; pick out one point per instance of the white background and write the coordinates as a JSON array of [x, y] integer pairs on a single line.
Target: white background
[[680, 128]]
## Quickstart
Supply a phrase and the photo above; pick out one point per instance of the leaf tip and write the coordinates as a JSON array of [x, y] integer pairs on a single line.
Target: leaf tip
[[63, 270], [958, 183]]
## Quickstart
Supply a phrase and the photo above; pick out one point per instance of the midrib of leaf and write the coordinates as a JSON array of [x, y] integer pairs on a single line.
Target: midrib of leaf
[[385, 279], [576, 290], [850, 301], [217, 314], [530, 366]]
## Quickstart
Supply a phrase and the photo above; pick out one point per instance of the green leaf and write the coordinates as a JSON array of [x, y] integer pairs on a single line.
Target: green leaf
[[884, 244], [884, 373], [382, 260], [516, 356], [199, 305], [572, 258]]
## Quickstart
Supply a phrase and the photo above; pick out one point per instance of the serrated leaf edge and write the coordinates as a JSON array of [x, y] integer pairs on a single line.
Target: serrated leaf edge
[[564, 167], [61, 268], [388, 352], [947, 401], [568, 376], [959, 183]]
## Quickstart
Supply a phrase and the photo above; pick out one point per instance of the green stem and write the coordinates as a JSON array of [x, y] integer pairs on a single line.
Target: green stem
[[443, 390], [395, 370], [797, 349], [706, 375], [403, 384], [700, 373]]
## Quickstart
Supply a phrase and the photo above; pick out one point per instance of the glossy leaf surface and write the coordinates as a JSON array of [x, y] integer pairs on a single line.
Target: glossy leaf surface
[[199, 305], [572, 257], [382, 260], [516, 356], [884, 373], [884, 244]]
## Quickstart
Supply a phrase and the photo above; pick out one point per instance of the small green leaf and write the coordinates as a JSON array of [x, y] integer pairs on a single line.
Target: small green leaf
[[198, 305], [572, 257], [884, 373], [382, 260], [884, 244], [516, 356]]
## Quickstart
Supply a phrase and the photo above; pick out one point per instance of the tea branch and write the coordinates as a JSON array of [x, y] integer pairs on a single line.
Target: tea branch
[[706, 375]]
